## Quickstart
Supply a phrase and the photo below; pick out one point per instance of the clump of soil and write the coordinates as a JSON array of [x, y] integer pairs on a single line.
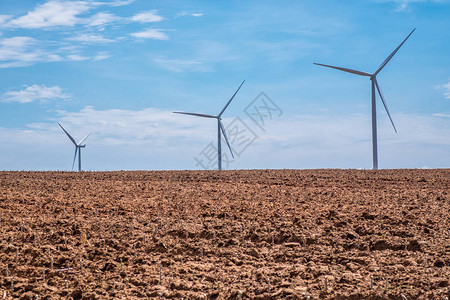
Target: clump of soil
[[266, 234]]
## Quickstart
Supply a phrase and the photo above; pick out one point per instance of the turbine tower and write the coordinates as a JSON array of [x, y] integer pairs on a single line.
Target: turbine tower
[[373, 78], [220, 128], [78, 147]]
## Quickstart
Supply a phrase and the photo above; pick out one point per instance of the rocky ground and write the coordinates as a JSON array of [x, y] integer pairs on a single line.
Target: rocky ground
[[264, 234]]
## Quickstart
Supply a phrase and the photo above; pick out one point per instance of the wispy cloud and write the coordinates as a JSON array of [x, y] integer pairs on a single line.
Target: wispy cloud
[[200, 56], [185, 13], [89, 38], [117, 2], [403, 5], [149, 128], [442, 115], [34, 93], [156, 34], [102, 19], [56, 13], [51, 14], [179, 65], [4, 18], [19, 51], [77, 57], [65, 18], [16, 42], [101, 56], [147, 17], [156, 135], [24, 51], [446, 88]]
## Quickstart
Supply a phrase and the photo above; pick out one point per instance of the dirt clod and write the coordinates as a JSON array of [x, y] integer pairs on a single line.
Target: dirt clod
[[253, 234]]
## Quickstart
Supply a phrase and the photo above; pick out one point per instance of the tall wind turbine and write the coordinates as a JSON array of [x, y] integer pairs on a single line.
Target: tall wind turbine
[[78, 147], [373, 78], [220, 128]]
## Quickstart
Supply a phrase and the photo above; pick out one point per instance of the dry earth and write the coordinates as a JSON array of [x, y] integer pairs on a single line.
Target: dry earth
[[266, 234]]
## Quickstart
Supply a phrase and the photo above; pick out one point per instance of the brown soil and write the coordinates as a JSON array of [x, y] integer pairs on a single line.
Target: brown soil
[[335, 234]]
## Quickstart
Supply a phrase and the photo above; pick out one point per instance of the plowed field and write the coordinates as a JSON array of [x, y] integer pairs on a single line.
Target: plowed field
[[265, 234]]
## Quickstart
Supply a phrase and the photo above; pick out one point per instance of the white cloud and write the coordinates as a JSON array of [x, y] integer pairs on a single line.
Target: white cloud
[[207, 54], [405, 4], [55, 13], [442, 115], [54, 57], [132, 127], [52, 13], [122, 139], [102, 19], [178, 65], [185, 13], [332, 141], [116, 3], [77, 57], [25, 51], [101, 56], [17, 42], [4, 18], [19, 51], [127, 124], [156, 34], [147, 17], [446, 88], [152, 138], [90, 38], [34, 93]]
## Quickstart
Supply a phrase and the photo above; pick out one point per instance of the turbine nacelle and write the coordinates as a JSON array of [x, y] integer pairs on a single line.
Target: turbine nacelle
[[78, 147], [375, 86], [220, 127]]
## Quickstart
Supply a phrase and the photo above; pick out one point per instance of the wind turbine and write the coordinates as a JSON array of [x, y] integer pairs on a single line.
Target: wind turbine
[[78, 147], [220, 128], [373, 78]]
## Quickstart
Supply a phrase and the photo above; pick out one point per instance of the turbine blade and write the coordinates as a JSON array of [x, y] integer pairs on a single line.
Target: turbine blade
[[392, 54], [346, 70], [384, 103], [195, 114], [226, 138], [70, 137], [74, 157], [80, 142], [229, 101]]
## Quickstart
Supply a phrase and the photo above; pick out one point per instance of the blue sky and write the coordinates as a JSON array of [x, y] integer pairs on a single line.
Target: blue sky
[[120, 68]]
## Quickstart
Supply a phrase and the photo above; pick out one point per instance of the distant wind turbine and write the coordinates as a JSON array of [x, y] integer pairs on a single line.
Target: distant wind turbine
[[220, 127], [373, 78], [78, 147]]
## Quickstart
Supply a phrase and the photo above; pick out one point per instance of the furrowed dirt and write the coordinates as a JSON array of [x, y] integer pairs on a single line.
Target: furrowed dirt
[[265, 234]]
